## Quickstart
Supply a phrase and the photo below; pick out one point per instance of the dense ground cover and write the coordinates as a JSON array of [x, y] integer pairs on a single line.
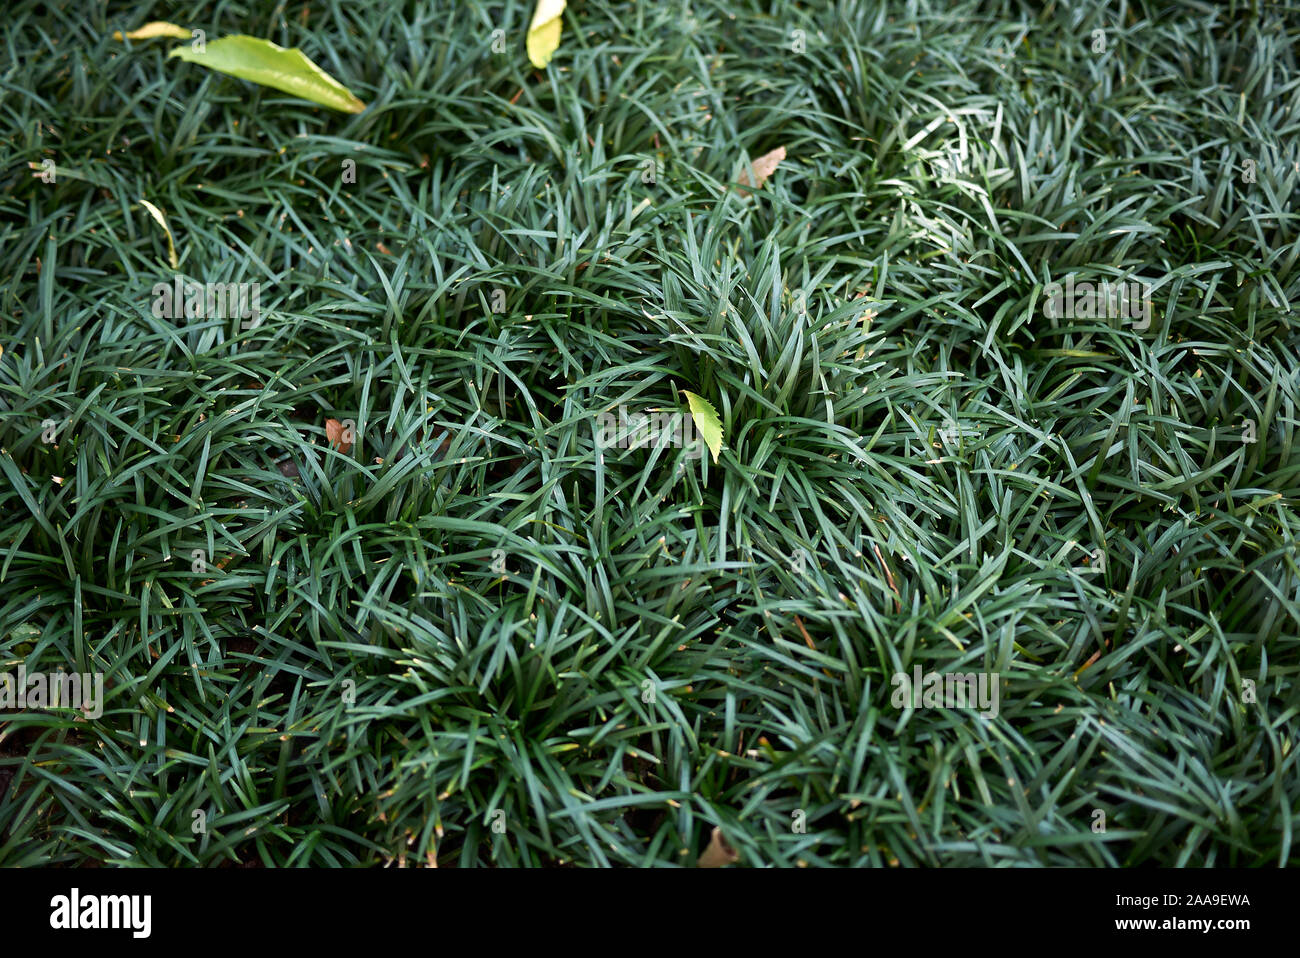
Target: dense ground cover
[[920, 466]]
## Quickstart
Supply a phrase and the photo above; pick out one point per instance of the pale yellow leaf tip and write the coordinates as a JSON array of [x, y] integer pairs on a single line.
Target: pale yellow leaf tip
[[157, 214], [158, 28], [544, 32]]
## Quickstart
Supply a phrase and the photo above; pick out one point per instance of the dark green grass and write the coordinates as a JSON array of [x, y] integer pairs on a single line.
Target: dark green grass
[[950, 461]]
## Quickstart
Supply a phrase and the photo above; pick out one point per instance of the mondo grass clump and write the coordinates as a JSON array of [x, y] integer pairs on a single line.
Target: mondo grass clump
[[970, 579]]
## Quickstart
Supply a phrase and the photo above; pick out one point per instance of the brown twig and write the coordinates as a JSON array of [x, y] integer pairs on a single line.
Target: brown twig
[[808, 638], [898, 599], [1095, 656]]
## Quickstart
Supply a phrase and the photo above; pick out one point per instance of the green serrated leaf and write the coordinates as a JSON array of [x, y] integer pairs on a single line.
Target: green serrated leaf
[[22, 639], [706, 421], [270, 65], [23, 632]]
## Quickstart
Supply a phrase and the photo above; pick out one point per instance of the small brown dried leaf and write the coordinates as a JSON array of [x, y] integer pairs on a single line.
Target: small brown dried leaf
[[756, 173], [719, 853], [334, 433]]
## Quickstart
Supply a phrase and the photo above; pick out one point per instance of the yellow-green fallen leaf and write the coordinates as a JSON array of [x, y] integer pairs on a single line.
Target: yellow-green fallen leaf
[[157, 214], [706, 421], [1076, 353], [270, 65], [157, 28], [544, 32]]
